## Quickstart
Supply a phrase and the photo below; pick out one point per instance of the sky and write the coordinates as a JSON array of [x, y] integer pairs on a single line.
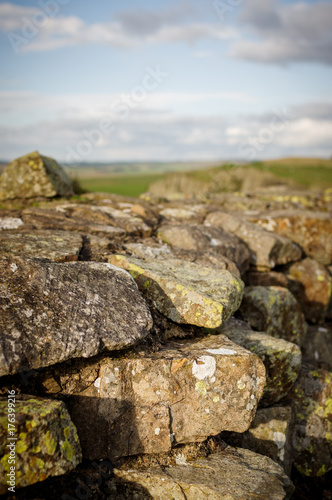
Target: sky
[[143, 80]]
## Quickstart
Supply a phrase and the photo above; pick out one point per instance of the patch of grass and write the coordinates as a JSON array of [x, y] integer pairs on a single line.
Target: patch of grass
[[306, 172], [126, 185]]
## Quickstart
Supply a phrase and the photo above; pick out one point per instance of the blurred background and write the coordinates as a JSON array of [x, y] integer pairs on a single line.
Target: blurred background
[[154, 83]]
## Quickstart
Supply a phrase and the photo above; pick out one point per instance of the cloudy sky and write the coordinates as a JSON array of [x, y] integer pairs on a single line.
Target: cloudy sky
[[165, 80]]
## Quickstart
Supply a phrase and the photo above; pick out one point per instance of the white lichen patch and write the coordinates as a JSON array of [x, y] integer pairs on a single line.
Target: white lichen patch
[[13, 267], [204, 367], [222, 350], [157, 431]]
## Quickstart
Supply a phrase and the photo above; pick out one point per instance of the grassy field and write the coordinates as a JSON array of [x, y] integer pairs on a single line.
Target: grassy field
[[127, 185], [307, 172]]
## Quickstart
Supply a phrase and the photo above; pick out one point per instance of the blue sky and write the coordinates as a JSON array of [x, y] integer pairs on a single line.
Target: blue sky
[[165, 80]]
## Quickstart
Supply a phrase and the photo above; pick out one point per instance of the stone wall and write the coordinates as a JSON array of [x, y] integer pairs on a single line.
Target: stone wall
[[152, 348]]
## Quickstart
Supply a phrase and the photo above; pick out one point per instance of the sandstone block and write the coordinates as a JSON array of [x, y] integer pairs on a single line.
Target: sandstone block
[[185, 292], [51, 312]]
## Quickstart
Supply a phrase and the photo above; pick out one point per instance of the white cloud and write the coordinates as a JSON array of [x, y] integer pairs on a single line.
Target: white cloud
[[32, 30], [285, 32], [159, 128]]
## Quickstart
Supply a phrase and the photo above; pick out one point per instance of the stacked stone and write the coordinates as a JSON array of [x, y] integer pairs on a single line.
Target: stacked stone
[[118, 338]]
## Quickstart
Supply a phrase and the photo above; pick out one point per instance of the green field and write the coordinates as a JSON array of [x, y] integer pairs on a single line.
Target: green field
[[126, 185], [306, 172]]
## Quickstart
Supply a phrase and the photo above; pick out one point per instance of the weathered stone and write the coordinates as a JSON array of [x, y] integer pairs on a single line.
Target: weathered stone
[[185, 292], [317, 346], [311, 398], [52, 312], [311, 230], [10, 223], [43, 218], [43, 442], [200, 237], [34, 175], [267, 249], [233, 474], [148, 402], [311, 284], [275, 311], [282, 359], [58, 246], [150, 249], [269, 434], [184, 213], [107, 215]]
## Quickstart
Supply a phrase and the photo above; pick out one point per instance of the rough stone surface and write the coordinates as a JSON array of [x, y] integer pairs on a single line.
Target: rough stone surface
[[267, 249], [312, 436], [317, 346], [34, 175], [147, 402], [46, 440], [200, 237], [282, 359], [269, 434], [274, 310], [52, 312], [43, 218], [311, 285], [151, 249], [311, 230], [53, 245], [233, 474], [185, 292]]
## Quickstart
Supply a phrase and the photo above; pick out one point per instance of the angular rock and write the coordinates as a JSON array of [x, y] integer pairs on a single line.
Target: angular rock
[[58, 246], [184, 213], [312, 231], [200, 237], [147, 402], [311, 285], [44, 442], [43, 218], [34, 175], [311, 398], [150, 249], [52, 312], [269, 434], [282, 359], [275, 311], [232, 474], [267, 249], [317, 346], [185, 292], [107, 215]]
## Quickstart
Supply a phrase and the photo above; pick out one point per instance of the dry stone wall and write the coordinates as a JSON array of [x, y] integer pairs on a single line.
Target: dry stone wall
[[152, 348]]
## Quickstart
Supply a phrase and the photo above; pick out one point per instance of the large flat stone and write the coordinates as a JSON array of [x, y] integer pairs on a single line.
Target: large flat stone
[[202, 238], [52, 312], [34, 175], [147, 402], [282, 359], [267, 249], [233, 474], [53, 245], [44, 441], [185, 292], [275, 311]]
